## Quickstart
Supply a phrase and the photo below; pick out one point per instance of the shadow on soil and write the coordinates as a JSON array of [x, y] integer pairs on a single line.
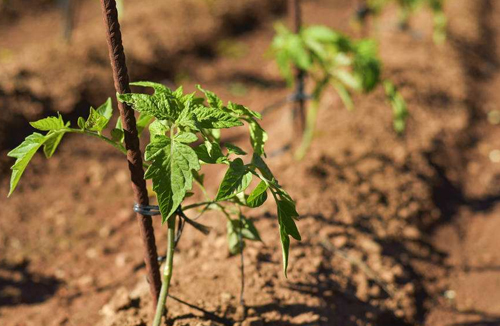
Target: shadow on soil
[[20, 286], [479, 60]]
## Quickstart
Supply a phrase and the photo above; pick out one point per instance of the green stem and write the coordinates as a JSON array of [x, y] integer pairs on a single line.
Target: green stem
[[116, 145], [204, 203], [312, 114], [167, 273]]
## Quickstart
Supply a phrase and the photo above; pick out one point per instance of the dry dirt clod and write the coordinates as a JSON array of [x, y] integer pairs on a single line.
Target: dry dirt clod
[[254, 321]]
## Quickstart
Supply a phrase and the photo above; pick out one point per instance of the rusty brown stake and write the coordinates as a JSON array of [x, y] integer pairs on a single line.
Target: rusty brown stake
[[120, 77], [299, 105]]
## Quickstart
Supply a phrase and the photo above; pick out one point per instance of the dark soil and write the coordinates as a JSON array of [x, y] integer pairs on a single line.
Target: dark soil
[[397, 230]]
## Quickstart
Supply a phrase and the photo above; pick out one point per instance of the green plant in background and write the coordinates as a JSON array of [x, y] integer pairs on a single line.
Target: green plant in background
[[184, 136], [333, 60], [408, 7]]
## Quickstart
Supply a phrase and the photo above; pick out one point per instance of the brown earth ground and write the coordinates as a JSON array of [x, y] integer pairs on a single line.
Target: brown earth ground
[[396, 230]]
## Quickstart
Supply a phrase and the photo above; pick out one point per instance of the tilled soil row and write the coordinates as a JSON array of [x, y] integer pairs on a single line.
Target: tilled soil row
[[367, 197]]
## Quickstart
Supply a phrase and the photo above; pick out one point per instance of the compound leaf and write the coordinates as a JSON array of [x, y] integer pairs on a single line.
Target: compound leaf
[[162, 104]]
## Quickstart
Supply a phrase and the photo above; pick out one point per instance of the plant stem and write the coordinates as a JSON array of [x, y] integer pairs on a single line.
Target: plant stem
[[298, 106], [312, 114], [116, 145], [167, 272], [203, 203], [242, 269]]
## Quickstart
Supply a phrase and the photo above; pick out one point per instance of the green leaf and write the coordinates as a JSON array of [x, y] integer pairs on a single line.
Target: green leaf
[[284, 64], [99, 119], [210, 153], [247, 229], [236, 180], [321, 34], [347, 79], [210, 118], [50, 123], [158, 127], [286, 215], [259, 163], [213, 100], [81, 122], [243, 111], [367, 66], [23, 154], [285, 247], [171, 171], [142, 121], [298, 52], [258, 137], [117, 134], [398, 104], [52, 141], [233, 149], [258, 196], [345, 96], [233, 238], [186, 137], [162, 104]]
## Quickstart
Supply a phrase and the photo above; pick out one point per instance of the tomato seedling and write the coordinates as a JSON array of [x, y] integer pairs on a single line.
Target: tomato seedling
[[331, 59], [406, 9], [184, 135]]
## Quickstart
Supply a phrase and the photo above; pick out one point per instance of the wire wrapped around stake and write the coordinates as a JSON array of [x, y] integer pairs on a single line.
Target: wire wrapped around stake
[[153, 210]]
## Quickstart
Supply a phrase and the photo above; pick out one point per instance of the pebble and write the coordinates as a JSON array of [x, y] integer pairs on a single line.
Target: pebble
[[370, 246], [91, 253], [85, 281], [495, 156], [340, 241]]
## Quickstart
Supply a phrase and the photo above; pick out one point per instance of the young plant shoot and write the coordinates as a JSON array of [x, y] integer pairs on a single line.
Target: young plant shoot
[[406, 9], [184, 136], [333, 60]]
